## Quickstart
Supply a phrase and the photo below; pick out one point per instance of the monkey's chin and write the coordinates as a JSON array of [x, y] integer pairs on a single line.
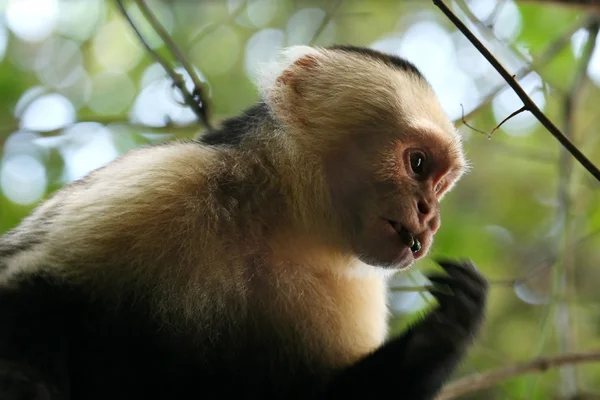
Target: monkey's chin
[[383, 247], [398, 261]]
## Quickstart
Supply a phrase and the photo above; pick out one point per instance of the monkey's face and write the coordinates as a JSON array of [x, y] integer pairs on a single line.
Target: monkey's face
[[389, 150], [386, 193]]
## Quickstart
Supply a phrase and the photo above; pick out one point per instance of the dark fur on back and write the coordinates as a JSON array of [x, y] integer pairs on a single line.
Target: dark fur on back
[[77, 349], [233, 130]]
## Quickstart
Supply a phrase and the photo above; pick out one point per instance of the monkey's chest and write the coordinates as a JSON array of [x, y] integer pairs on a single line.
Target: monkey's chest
[[329, 321], [127, 355]]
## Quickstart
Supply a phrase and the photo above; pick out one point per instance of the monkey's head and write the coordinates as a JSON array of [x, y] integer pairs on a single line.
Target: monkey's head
[[387, 150]]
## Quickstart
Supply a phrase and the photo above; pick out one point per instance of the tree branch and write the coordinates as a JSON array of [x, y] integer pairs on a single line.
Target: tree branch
[[548, 54], [527, 102], [488, 31], [486, 380], [195, 99], [421, 288], [565, 324], [198, 93]]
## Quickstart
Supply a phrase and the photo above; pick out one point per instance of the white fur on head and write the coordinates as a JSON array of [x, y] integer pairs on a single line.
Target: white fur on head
[[266, 74]]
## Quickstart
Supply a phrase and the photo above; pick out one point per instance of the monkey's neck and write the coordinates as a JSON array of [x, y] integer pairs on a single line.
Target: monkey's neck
[[279, 182]]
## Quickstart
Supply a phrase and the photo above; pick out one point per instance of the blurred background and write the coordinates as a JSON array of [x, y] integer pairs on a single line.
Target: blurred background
[[77, 89]]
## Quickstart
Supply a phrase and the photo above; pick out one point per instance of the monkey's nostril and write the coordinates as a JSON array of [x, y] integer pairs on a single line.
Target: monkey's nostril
[[423, 207]]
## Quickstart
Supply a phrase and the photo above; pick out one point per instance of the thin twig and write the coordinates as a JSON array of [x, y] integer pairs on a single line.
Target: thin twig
[[527, 102], [465, 123], [489, 135], [175, 77], [517, 112], [422, 288], [548, 54], [510, 282], [515, 50], [198, 92], [485, 380], [325, 21]]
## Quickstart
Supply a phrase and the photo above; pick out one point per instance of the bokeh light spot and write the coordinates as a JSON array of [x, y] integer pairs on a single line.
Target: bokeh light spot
[[48, 112], [23, 179], [31, 20]]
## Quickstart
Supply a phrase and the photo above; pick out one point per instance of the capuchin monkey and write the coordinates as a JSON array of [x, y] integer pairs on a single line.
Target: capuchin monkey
[[251, 262]]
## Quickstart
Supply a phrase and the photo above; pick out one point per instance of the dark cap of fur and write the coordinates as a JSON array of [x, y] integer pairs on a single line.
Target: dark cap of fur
[[391, 60]]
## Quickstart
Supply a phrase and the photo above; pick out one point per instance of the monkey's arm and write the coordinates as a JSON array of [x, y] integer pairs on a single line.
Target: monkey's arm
[[417, 363]]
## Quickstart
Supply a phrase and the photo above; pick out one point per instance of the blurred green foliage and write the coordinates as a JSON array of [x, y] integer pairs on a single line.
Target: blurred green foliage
[[505, 215]]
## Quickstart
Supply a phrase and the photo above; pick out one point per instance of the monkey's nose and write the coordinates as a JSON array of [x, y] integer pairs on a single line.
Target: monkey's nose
[[423, 207], [426, 211]]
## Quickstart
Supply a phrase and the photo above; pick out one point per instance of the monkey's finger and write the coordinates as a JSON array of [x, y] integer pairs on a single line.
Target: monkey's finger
[[440, 287], [464, 271], [471, 291], [461, 302], [466, 264], [461, 266]]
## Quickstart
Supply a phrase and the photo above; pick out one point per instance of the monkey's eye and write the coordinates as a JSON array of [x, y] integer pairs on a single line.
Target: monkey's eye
[[417, 163], [438, 187]]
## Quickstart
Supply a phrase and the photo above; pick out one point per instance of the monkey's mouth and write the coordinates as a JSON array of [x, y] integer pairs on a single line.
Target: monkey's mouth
[[408, 238]]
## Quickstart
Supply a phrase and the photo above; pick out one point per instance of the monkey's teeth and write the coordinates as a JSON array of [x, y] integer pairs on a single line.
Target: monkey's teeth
[[407, 237], [416, 246]]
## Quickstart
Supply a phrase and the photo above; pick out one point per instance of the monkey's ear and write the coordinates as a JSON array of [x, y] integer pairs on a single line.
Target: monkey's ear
[[280, 82]]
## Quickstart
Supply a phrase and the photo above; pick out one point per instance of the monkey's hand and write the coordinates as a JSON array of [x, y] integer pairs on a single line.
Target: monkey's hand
[[21, 383], [434, 347], [418, 363], [461, 295]]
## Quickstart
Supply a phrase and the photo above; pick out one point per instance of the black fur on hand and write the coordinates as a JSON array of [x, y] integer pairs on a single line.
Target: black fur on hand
[[462, 296]]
